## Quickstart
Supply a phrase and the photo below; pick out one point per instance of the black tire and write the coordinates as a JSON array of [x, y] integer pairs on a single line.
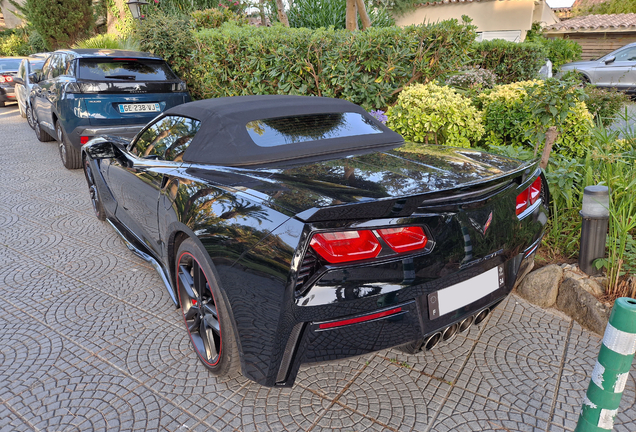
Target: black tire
[[30, 118], [96, 201], [40, 134], [209, 327], [2, 104], [71, 157]]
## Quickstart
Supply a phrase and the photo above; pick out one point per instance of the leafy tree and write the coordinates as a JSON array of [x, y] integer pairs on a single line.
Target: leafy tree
[[60, 23], [608, 7]]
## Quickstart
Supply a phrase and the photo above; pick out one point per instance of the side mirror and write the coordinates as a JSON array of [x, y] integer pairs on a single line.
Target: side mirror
[[105, 147], [609, 60], [18, 80], [34, 77]]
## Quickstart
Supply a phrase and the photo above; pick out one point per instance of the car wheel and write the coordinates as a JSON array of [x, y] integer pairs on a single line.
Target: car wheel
[[71, 157], [2, 105], [204, 311], [29, 117], [40, 134], [98, 207]]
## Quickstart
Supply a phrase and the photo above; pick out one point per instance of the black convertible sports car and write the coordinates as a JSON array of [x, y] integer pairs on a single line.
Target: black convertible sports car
[[298, 229]]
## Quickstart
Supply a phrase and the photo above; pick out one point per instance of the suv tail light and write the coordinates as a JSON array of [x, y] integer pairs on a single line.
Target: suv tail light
[[529, 196], [6, 78], [345, 246]]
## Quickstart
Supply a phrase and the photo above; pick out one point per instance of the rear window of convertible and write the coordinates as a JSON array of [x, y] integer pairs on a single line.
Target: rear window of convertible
[[125, 70], [272, 132]]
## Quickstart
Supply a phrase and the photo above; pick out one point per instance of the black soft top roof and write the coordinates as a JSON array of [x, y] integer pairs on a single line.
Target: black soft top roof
[[223, 138]]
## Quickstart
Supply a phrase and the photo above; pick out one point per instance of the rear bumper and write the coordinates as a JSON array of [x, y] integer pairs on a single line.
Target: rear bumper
[[7, 94], [128, 131]]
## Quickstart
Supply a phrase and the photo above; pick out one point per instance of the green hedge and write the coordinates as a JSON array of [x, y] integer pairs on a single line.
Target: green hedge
[[366, 67], [511, 61]]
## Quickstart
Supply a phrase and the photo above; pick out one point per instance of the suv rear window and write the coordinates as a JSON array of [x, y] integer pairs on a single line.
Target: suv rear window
[[9, 64], [289, 130], [124, 70]]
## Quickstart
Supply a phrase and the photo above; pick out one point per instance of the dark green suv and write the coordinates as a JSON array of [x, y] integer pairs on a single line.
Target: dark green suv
[[84, 93]]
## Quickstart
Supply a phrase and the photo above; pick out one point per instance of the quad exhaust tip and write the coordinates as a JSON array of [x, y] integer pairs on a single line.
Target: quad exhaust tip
[[450, 331], [466, 324], [481, 316], [432, 341]]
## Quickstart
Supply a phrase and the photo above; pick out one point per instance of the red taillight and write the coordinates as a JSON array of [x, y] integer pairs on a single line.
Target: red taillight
[[342, 246], [534, 191], [528, 196], [404, 239], [356, 320], [3, 78], [84, 139]]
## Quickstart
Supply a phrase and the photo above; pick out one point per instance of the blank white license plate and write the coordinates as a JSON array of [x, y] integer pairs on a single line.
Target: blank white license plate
[[464, 293], [142, 107]]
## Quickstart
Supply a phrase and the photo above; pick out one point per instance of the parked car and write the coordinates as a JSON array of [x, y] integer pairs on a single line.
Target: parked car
[[23, 85], [8, 70], [293, 229], [614, 70], [83, 93]]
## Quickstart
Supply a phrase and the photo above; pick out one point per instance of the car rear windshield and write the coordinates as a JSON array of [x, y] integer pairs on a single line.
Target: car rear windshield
[[124, 70], [9, 64], [278, 131]]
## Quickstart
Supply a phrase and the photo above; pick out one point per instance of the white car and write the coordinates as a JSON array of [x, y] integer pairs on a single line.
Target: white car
[[23, 84]]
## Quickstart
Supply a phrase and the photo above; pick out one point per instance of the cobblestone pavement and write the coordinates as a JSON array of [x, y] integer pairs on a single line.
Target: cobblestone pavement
[[89, 341]]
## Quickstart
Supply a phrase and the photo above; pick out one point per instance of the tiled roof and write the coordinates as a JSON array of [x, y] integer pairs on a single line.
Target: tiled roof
[[616, 22], [442, 2]]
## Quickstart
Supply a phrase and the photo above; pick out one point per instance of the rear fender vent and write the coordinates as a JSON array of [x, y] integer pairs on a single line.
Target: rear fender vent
[[307, 269]]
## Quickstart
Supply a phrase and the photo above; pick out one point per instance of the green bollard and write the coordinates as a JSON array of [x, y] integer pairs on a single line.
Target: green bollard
[[611, 371]]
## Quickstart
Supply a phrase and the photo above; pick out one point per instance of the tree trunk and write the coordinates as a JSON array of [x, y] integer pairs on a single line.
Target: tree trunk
[[364, 16], [282, 16], [550, 137], [261, 12], [352, 15]]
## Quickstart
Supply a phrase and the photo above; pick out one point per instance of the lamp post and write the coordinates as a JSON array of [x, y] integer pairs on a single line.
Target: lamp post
[[595, 214], [135, 8]]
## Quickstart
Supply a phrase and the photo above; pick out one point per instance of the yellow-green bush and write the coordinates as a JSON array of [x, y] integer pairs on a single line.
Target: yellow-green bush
[[508, 116], [433, 113]]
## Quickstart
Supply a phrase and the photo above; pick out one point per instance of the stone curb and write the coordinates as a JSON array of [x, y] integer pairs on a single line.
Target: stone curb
[[569, 290]]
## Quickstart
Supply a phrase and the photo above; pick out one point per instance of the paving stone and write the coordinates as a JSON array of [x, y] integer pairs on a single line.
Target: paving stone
[[394, 394], [510, 378], [466, 411]]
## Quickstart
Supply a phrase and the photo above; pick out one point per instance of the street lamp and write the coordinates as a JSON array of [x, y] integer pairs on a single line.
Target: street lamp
[[135, 8], [595, 215]]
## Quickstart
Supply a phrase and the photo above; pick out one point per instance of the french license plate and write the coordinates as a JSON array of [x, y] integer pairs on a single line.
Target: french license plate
[[464, 293], [140, 107]]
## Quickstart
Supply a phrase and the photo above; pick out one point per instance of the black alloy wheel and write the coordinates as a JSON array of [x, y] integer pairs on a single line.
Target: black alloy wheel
[[210, 332], [71, 157], [98, 207], [29, 117]]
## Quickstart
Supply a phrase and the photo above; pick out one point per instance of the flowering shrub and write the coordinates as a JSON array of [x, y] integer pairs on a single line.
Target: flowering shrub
[[473, 78], [508, 117], [434, 113], [379, 115]]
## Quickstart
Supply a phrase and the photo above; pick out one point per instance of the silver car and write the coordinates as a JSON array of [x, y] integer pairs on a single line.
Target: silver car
[[616, 69], [24, 84]]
